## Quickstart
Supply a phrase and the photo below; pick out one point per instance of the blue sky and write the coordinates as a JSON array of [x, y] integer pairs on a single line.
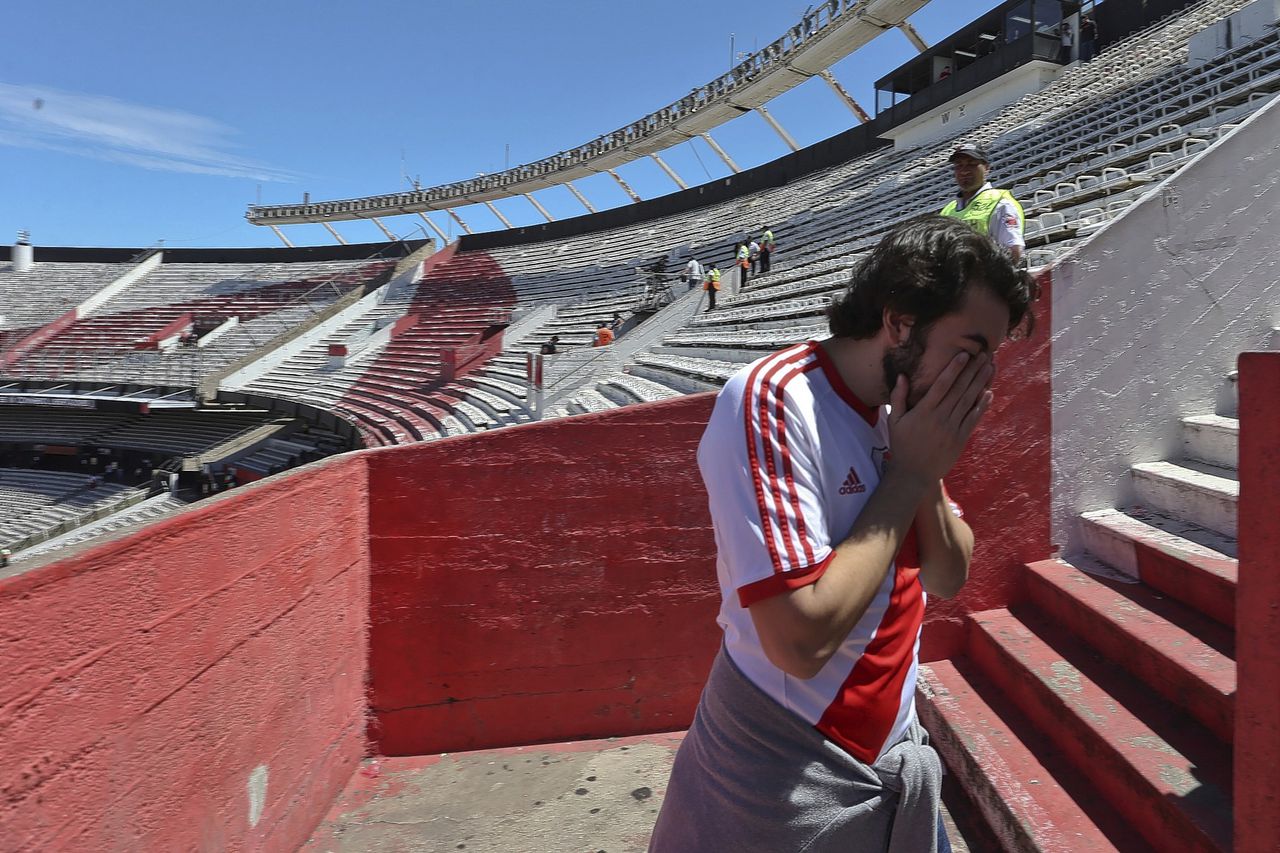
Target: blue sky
[[129, 122]]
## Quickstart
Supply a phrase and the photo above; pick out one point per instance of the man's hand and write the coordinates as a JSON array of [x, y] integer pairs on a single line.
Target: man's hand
[[928, 438]]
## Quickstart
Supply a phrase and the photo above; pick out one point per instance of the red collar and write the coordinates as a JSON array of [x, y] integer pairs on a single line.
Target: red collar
[[868, 413]]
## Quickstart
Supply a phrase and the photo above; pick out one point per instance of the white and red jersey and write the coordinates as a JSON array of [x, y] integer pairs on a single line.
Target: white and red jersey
[[790, 458]]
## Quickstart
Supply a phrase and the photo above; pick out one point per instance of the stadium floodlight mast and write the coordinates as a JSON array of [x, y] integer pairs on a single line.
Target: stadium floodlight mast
[[827, 32]]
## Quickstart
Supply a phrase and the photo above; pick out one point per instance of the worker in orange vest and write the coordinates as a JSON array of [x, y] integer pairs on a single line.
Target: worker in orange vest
[[711, 284]]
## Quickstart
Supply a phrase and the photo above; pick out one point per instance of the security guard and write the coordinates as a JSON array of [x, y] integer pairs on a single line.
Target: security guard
[[711, 284], [987, 210]]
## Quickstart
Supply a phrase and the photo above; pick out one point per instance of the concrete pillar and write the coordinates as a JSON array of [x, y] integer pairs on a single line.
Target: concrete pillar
[[1257, 699], [728, 161], [334, 232], [844, 96], [533, 201], [280, 234], [913, 36], [385, 230], [671, 173], [498, 213], [579, 196], [458, 219], [623, 184], [444, 238], [777, 128]]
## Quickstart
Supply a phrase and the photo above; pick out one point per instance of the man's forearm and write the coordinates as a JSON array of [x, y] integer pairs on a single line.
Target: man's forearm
[[946, 545], [833, 604]]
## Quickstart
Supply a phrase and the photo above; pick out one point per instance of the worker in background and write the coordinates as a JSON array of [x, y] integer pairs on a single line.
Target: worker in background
[[692, 274], [711, 284], [604, 335], [766, 250], [981, 206], [743, 259]]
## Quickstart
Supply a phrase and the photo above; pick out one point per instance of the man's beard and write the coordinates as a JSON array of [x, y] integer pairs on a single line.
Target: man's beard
[[904, 360]]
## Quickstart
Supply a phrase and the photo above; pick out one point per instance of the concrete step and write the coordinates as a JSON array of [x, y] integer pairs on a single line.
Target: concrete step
[[1192, 491], [983, 741], [1212, 439], [589, 400], [1174, 651], [625, 389], [1192, 564], [1164, 773]]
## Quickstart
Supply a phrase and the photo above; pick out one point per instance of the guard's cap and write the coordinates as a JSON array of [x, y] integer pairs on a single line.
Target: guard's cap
[[973, 151]]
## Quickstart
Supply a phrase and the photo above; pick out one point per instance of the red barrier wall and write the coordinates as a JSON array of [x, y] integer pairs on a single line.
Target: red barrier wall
[[1257, 724], [146, 678], [549, 582]]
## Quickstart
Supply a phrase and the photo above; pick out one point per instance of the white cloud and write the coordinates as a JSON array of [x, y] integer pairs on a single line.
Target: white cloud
[[106, 128]]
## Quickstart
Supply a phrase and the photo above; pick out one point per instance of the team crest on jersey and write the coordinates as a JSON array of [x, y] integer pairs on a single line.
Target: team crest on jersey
[[879, 456]]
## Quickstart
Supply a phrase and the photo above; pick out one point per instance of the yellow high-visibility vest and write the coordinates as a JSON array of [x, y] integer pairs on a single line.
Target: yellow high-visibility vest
[[978, 214]]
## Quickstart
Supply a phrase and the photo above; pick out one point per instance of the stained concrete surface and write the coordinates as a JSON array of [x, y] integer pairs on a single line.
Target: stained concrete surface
[[584, 797]]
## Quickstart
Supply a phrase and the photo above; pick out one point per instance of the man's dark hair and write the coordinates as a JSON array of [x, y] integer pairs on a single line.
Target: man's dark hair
[[923, 268]]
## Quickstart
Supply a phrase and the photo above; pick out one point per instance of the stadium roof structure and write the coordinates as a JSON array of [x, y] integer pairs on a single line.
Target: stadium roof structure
[[826, 34]]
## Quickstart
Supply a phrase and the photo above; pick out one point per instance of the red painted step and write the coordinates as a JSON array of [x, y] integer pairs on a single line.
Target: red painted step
[[1178, 653], [1176, 802], [983, 742], [1195, 565]]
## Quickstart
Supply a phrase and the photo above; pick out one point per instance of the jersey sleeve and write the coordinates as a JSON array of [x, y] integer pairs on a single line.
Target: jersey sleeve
[[1007, 224], [764, 483]]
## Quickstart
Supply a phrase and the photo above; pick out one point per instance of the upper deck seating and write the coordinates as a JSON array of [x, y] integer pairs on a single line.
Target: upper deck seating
[[48, 290], [133, 336]]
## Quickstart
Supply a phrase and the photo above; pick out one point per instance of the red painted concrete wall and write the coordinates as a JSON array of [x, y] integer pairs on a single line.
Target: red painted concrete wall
[[1002, 481], [543, 583], [1257, 724], [146, 678]]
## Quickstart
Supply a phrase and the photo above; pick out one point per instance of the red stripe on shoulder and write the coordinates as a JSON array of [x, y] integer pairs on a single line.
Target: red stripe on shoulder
[[771, 386], [753, 458], [788, 473]]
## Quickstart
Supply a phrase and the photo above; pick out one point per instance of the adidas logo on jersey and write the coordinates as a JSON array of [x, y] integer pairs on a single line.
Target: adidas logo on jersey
[[852, 485]]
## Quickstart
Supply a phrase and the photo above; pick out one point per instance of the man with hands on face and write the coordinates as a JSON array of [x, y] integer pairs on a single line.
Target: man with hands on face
[[832, 527]]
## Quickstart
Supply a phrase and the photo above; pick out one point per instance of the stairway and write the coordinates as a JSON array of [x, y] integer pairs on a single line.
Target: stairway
[[1095, 713]]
